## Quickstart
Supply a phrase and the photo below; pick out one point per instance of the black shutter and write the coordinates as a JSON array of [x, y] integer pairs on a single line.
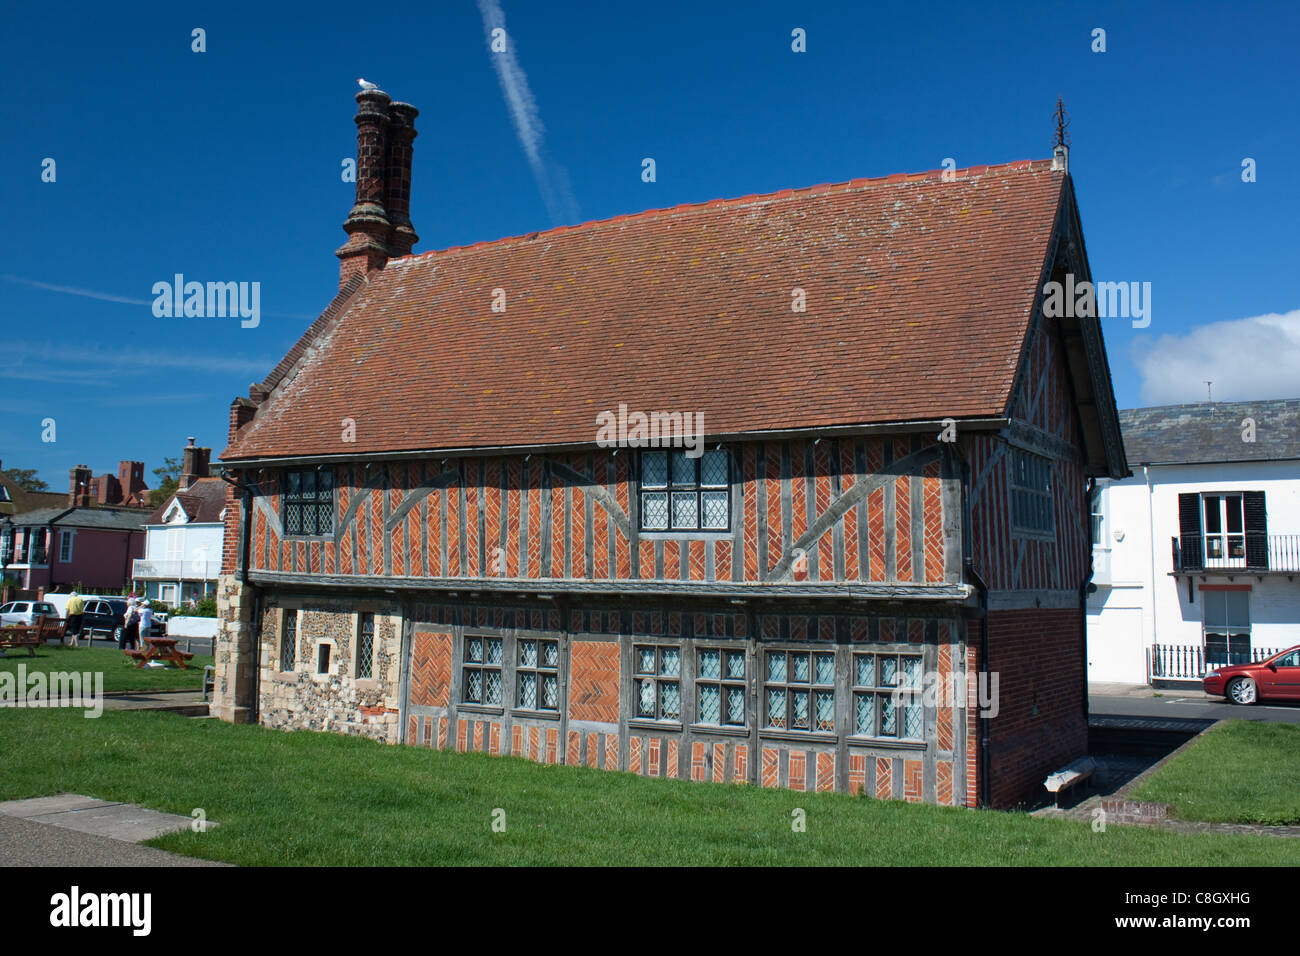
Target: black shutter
[[1256, 530], [1189, 532]]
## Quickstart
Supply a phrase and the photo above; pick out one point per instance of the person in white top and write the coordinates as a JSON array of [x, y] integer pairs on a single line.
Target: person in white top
[[146, 620]]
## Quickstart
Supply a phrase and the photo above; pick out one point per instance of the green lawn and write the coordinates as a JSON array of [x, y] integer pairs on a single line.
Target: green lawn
[[327, 799], [120, 673], [1243, 771]]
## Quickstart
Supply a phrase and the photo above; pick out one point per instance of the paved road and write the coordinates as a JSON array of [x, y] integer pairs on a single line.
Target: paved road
[[25, 843], [1172, 705]]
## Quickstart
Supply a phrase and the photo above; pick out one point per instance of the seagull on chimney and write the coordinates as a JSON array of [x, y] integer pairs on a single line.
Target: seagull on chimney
[[367, 85]]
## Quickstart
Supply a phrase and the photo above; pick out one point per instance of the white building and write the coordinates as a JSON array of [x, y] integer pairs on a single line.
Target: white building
[[183, 537], [1196, 556]]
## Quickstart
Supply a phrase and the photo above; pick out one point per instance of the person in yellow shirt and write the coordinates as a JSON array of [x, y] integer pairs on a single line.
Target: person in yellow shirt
[[72, 630]]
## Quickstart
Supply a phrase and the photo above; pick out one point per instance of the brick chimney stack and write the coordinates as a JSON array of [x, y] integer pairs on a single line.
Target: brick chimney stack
[[79, 490], [401, 145], [368, 226], [379, 225], [194, 464]]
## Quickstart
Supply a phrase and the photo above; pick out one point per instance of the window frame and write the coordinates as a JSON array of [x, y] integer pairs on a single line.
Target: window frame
[[811, 686], [66, 541], [288, 623], [696, 487], [364, 617], [297, 502], [1224, 537], [659, 678], [540, 672], [1230, 632], [1021, 495], [723, 682], [483, 667], [882, 695]]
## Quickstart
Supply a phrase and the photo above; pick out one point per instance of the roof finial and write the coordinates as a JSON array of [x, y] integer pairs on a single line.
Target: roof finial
[[1061, 150]]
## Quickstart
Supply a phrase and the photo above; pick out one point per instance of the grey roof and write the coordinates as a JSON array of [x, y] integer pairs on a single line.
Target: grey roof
[[110, 519], [1211, 432]]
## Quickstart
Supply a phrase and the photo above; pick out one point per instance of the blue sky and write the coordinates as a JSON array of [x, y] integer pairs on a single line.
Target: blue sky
[[224, 165]]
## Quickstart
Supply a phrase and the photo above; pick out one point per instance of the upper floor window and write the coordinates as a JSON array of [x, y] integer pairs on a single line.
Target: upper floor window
[[309, 501], [1096, 515], [1225, 528], [1031, 493], [65, 546], [680, 493]]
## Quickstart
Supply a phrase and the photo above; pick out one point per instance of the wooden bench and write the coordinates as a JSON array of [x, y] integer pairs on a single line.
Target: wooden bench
[[51, 629], [1076, 773], [209, 680]]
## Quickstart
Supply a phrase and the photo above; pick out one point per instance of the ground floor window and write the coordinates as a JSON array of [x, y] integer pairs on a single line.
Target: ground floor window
[[537, 675], [288, 640], [481, 671], [720, 683], [657, 682], [887, 696], [800, 691], [1227, 627]]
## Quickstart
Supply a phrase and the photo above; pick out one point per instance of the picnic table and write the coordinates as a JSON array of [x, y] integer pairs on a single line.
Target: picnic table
[[160, 649], [20, 636]]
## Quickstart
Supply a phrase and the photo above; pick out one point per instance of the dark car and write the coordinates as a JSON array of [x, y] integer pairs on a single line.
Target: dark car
[[101, 615], [1274, 678]]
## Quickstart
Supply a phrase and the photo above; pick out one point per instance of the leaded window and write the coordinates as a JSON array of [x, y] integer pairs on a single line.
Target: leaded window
[[365, 646], [288, 640], [887, 696], [681, 493], [799, 691], [1031, 493], [720, 686], [309, 501], [537, 675], [481, 671], [657, 681]]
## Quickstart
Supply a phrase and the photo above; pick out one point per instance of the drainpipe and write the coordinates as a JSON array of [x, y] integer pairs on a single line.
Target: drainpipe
[[256, 621], [1151, 551], [972, 575], [1084, 591]]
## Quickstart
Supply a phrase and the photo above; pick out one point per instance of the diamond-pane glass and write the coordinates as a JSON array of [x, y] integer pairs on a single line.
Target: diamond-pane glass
[[654, 469], [715, 509], [550, 654], [776, 667], [366, 647], [474, 686], [492, 687], [776, 708], [735, 705], [292, 518], [824, 702], [685, 510], [866, 670], [799, 709], [654, 510], [683, 469], [888, 671], [645, 660], [711, 664], [713, 469], [550, 692], [825, 669], [670, 699], [710, 703], [888, 719], [308, 519], [325, 518], [473, 649], [798, 668], [646, 699], [527, 653], [493, 650], [736, 665], [911, 672], [288, 643], [670, 662], [864, 715], [528, 691], [912, 718]]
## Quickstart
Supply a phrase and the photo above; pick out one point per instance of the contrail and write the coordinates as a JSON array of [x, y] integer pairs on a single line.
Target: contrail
[[70, 290], [553, 181]]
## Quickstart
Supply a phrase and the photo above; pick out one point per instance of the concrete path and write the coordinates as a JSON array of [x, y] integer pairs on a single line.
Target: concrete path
[[73, 830]]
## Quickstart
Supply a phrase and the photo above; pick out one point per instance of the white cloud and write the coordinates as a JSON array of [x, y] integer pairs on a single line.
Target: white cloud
[[552, 180], [72, 290], [1246, 359], [90, 364]]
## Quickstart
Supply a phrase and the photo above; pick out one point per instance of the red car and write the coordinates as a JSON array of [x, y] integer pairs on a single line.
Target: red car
[[1277, 678]]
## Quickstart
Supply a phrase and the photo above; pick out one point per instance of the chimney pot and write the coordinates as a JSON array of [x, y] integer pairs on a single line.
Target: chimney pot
[[368, 226]]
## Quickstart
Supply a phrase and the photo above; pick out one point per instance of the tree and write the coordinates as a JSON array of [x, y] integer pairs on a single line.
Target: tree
[[26, 479], [168, 481]]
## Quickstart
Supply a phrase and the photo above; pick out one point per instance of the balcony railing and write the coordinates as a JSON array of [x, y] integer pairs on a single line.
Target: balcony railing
[[174, 569], [1188, 661], [1278, 553]]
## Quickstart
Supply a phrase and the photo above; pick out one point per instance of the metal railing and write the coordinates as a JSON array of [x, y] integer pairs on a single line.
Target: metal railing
[[1280, 553], [173, 569], [1187, 661]]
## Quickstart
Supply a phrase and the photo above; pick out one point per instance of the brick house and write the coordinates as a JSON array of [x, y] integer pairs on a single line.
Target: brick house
[[426, 543]]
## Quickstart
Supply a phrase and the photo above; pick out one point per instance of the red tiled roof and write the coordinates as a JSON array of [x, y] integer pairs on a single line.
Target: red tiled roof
[[918, 297]]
